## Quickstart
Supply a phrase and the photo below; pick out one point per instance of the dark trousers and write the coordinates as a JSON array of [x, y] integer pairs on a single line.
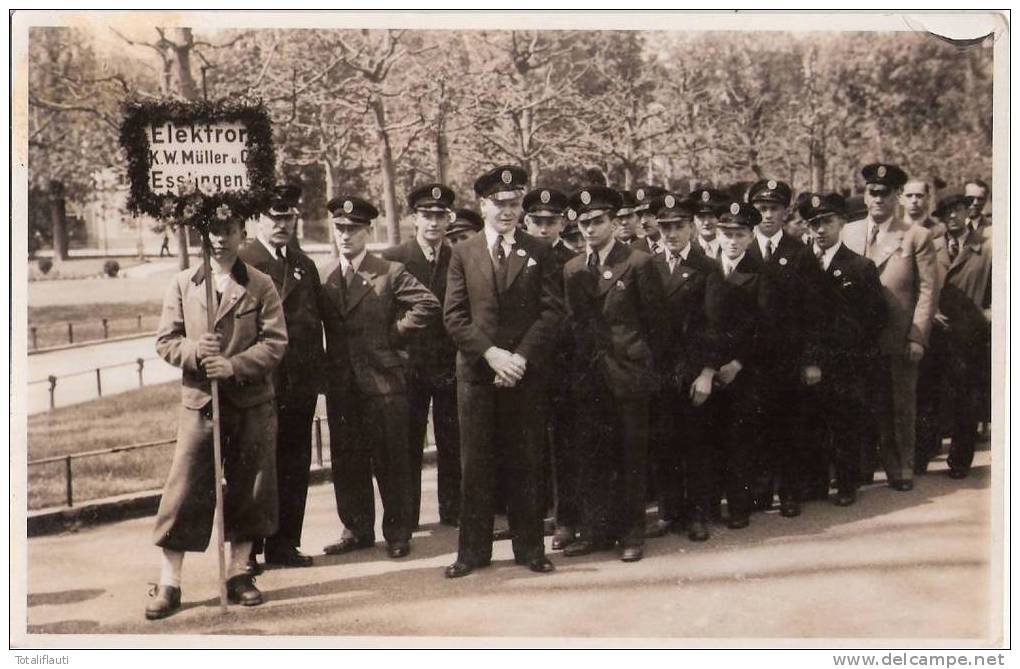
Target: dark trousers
[[511, 420], [614, 466], [442, 395], [248, 446], [777, 457], [930, 393], [833, 412], [372, 432], [730, 435], [565, 457], [669, 413], [293, 464]]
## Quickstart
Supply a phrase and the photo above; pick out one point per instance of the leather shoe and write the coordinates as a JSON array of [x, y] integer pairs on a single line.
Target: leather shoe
[[903, 485], [563, 537], [657, 528], [541, 565], [252, 567], [586, 546], [241, 590], [957, 474], [697, 531], [398, 549], [845, 498], [763, 503], [167, 600], [462, 568], [789, 508], [738, 523], [632, 553], [289, 558], [347, 544]]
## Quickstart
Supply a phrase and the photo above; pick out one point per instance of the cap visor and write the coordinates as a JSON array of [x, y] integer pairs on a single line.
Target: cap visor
[[435, 206], [502, 195], [625, 211], [588, 215]]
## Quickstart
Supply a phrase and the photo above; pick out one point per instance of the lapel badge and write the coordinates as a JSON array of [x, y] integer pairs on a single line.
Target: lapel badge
[[837, 273], [521, 252], [437, 194], [544, 197], [621, 285], [783, 261], [607, 275], [506, 177], [297, 273], [685, 275], [585, 197]]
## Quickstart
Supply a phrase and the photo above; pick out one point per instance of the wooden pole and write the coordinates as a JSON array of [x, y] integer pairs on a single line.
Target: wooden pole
[[211, 308]]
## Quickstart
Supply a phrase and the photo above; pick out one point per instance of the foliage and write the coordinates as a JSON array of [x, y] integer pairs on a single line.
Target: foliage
[[377, 111]]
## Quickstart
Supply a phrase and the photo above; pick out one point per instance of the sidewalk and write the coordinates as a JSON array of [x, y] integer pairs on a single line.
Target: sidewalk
[[894, 566]]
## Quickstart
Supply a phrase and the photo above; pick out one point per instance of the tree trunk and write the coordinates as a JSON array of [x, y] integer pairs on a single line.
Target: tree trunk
[[818, 165], [58, 220], [388, 172], [189, 91], [442, 150], [327, 169]]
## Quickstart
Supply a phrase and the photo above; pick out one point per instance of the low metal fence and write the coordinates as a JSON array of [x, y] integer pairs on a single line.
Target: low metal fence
[[98, 371], [69, 458], [49, 335]]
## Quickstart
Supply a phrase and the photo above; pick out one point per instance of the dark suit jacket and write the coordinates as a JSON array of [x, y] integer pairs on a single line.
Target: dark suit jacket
[[966, 290], [432, 352], [684, 301], [786, 305], [298, 378], [731, 315], [563, 344], [523, 318], [617, 320], [853, 310], [366, 325], [250, 319]]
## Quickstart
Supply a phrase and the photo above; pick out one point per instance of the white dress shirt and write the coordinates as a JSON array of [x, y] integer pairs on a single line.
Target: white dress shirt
[[603, 252], [672, 259], [763, 240], [711, 248], [507, 240], [730, 265], [354, 262], [828, 254]]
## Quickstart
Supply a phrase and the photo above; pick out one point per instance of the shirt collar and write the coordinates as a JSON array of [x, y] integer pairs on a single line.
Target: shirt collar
[[427, 249], [272, 249], [730, 265], [682, 255], [490, 236], [882, 227], [603, 252], [828, 254], [354, 262], [763, 240]]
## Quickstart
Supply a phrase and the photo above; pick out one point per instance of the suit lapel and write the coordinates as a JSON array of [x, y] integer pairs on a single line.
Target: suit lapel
[[518, 256], [417, 263], [744, 271], [890, 242], [361, 284], [613, 270], [480, 258], [332, 286], [231, 296]]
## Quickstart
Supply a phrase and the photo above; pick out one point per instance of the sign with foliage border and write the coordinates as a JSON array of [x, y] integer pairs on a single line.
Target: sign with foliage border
[[191, 206]]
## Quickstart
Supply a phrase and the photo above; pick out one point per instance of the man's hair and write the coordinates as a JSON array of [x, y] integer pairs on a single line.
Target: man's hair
[[979, 183], [927, 186]]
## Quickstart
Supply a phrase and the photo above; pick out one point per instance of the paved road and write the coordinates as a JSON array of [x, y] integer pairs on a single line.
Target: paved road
[[82, 387], [894, 566]]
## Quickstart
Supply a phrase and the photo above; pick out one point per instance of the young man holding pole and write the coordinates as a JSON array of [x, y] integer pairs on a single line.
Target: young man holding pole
[[246, 342]]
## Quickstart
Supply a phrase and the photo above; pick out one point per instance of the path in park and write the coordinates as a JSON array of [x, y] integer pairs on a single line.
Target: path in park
[[73, 388], [894, 566]]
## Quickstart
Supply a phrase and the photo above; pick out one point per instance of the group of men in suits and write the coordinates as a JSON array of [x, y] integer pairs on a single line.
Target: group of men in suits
[[583, 366]]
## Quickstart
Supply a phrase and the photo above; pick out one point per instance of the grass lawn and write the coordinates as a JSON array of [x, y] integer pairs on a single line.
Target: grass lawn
[[51, 321], [147, 414]]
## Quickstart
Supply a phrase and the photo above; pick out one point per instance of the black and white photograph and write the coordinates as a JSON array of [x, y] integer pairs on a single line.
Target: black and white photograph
[[517, 329]]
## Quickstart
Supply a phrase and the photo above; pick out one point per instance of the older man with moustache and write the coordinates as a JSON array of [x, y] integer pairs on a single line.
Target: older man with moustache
[[905, 260]]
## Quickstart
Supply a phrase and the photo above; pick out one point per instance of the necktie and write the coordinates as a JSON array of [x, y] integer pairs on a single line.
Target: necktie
[[954, 248], [727, 269], [820, 254], [671, 259], [348, 275], [499, 257], [768, 250], [872, 238], [593, 263], [279, 254]]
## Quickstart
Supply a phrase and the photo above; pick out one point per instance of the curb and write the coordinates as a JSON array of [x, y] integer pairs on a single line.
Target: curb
[[56, 520]]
